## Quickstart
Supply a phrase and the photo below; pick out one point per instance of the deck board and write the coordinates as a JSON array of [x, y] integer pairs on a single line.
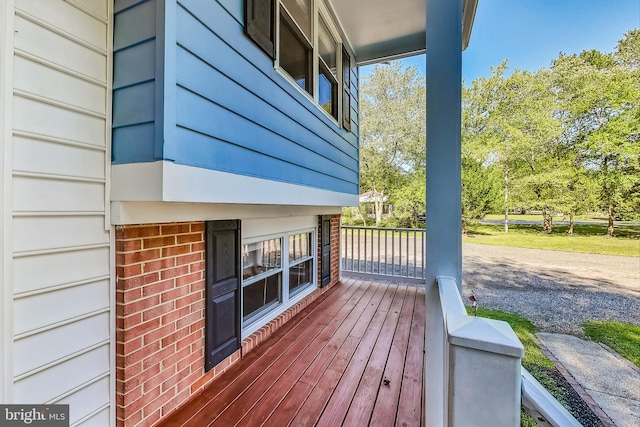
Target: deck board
[[326, 366]]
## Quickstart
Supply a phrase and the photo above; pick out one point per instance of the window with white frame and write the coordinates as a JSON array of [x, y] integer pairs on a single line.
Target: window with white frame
[[306, 46], [274, 270]]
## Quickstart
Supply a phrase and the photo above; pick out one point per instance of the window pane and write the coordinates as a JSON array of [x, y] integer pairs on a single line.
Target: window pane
[[327, 46], [261, 294], [327, 92], [300, 275], [300, 12], [299, 246], [260, 257], [295, 56]]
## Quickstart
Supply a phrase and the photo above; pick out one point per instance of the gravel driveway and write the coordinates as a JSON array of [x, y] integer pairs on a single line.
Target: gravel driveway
[[557, 291]]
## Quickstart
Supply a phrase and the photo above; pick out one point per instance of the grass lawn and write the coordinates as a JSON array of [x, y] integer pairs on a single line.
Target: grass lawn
[[588, 238], [534, 359], [623, 338]]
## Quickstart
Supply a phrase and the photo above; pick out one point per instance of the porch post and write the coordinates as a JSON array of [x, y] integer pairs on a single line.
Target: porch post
[[443, 222]]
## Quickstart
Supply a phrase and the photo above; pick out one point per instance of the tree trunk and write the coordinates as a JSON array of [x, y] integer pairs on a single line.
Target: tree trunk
[[378, 202], [547, 218], [506, 199], [611, 214], [570, 232]]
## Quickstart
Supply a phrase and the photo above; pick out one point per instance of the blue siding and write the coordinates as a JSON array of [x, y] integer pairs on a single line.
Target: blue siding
[[245, 102], [224, 106], [134, 87]]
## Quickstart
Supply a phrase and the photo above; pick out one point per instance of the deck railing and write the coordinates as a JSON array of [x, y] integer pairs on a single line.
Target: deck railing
[[390, 252]]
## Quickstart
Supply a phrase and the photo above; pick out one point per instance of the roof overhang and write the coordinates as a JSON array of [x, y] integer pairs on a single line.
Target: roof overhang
[[381, 30]]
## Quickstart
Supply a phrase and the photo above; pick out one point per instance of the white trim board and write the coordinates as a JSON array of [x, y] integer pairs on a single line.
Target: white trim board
[[190, 189], [125, 213]]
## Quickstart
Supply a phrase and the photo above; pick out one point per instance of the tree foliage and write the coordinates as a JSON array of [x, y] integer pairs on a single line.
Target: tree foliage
[[392, 131], [561, 139]]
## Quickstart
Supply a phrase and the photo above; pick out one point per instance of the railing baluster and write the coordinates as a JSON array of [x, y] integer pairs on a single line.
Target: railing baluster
[[375, 246]]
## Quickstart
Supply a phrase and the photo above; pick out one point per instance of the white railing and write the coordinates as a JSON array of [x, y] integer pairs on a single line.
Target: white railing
[[483, 365], [391, 252], [542, 406]]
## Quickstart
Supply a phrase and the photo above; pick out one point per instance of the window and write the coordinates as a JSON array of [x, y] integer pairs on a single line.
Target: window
[[300, 261], [274, 270], [327, 66], [308, 49], [261, 276]]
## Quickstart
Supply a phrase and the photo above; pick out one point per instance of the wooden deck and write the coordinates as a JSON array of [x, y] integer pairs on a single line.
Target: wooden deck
[[354, 357]]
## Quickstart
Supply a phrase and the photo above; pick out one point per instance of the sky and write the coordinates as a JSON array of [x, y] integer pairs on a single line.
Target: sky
[[531, 33]]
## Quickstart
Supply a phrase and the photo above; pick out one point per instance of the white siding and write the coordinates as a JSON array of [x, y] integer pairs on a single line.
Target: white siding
[[62, 347]]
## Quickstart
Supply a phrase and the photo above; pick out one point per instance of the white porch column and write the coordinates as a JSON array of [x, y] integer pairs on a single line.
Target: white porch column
[[444, 245]]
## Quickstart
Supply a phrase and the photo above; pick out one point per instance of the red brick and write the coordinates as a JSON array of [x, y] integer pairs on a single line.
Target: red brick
[[143, 401], [158, 242], [174, 294], [175, 250], [158, 334], [189, 258], [175, 229], [158, 287], [128, 245], [187, 321], [174, 315], [141, 329], [139, 256], [201, 382], [189, 360], [172, 338], [141, 354], [128, 418], [157, 380], [156, 404], [197, 247], [190, 238], [197, 226], [197, 266], [158, 265], [157, 311], [189, 279], [131, 232], [140, 305], [174, 272], [129, 270], [189, 299]]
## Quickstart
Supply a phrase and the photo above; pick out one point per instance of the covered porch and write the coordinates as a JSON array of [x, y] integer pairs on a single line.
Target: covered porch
[[353, 357]]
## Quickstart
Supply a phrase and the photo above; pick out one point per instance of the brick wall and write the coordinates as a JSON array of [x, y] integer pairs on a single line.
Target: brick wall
[[160, 318]]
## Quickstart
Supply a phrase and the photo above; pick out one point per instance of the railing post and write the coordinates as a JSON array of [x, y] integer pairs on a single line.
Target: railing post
[[484, 372]]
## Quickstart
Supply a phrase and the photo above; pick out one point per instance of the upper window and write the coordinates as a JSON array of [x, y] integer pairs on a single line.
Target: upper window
[[306, 46]]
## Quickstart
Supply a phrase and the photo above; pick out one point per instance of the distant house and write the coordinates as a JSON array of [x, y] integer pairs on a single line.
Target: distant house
[[173, 173], [367, 200]]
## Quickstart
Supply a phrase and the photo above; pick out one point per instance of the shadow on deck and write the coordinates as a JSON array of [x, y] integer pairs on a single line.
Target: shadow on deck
[[354, 357]]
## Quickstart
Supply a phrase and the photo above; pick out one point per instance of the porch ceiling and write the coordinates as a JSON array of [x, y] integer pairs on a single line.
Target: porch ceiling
[[380, 30]]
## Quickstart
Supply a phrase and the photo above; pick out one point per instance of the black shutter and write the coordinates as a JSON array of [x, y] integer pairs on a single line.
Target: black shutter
[[326, 250], [223, 277], [259, 24], [346, 90]]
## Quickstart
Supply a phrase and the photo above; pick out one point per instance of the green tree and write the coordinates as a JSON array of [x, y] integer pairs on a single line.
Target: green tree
[[600, 94], [392, 130]]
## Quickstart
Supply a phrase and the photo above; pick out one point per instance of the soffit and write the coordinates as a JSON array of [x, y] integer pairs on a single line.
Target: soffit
[[379, 30]]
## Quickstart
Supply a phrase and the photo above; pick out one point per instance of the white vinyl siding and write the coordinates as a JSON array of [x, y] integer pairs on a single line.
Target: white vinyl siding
[[62, 348]]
